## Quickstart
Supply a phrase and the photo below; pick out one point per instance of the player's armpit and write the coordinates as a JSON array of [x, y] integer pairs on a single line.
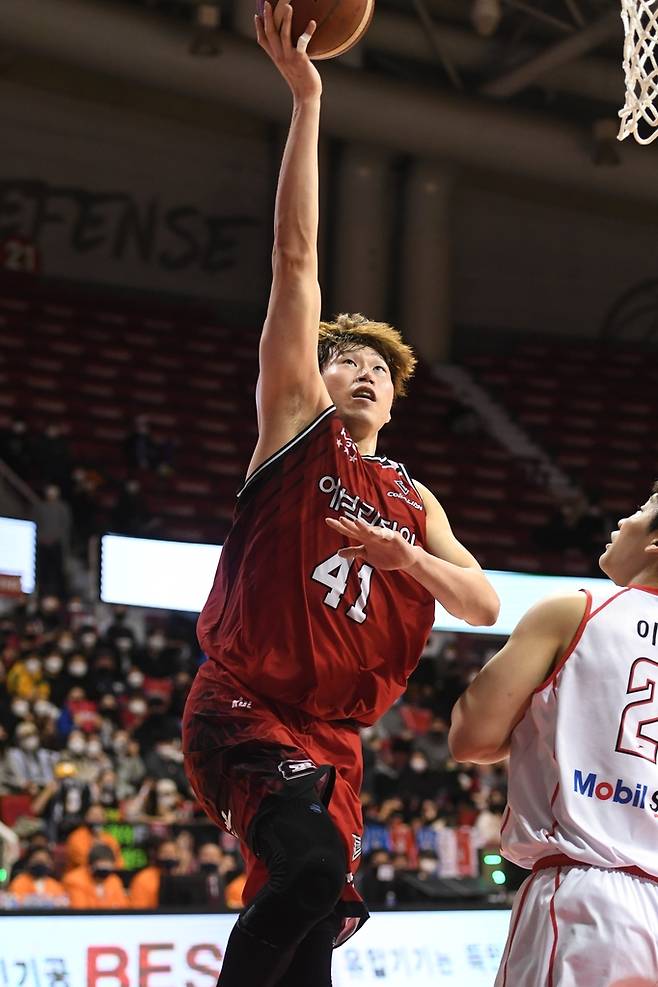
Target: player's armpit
[[484, 717]]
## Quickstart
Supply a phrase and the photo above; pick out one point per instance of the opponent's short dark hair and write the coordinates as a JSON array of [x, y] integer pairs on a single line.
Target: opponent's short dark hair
[[349, 331]]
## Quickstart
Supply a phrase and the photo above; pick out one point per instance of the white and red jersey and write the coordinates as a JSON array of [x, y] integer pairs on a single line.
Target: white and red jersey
[[583, 771], [287, 616]]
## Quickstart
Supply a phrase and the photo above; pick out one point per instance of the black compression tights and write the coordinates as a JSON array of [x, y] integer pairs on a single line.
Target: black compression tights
[[311, 965], [251, 962]]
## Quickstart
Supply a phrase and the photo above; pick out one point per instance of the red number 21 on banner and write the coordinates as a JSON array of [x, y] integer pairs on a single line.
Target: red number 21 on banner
[[638, 730]]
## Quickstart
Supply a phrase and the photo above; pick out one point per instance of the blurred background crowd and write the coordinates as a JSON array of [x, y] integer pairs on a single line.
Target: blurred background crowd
[[96, 810]]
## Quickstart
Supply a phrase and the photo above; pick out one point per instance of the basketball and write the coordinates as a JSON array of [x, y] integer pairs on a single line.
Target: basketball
[[341, 24]]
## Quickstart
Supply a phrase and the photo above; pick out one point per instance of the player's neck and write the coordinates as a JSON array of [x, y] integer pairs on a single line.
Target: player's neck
[[646, 577], [365, 439]]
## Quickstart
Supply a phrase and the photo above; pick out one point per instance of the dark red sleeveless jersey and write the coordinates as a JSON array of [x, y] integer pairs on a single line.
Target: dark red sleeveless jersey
[[289, 618]]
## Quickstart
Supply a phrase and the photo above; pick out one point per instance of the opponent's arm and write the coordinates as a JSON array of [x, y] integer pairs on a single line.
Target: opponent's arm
[[485, 715], [290, 389], [446, 569]]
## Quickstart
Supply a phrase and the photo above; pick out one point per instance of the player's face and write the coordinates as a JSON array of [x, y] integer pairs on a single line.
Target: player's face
[[632, 547], [360, 385]]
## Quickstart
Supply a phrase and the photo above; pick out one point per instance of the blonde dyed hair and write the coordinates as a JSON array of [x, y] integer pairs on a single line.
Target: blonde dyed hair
[[350, 331]]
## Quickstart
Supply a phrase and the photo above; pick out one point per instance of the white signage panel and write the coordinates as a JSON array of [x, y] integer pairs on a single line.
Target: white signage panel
[[174, 575], [394, 949]]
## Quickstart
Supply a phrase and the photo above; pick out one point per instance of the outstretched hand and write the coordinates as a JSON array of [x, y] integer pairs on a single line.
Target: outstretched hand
[[379, 547], [273, 33]]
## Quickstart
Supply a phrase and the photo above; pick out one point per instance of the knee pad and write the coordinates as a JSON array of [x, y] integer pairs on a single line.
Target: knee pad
[[295, 837]]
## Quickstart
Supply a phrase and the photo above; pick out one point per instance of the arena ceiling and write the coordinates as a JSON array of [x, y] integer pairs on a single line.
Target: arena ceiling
[[555, 57]]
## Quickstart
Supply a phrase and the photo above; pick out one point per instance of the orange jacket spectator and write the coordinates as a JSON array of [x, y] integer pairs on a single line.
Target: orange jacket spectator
[[234, 891], [96, 886], [145, 888], [145, 885], [26, 886], [85, 891], [80, 842]]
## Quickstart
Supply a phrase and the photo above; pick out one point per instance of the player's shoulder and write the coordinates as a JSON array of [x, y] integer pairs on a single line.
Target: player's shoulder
[[559, 615]]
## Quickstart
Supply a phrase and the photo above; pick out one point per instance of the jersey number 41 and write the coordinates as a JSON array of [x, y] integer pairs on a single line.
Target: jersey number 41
[[334, 573]]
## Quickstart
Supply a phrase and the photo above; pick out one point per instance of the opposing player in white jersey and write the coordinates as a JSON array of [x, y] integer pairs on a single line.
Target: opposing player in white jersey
[[573, 698]]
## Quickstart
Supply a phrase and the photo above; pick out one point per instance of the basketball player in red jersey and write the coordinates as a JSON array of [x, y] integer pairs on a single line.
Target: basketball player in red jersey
[[324, 594], [573, 698]]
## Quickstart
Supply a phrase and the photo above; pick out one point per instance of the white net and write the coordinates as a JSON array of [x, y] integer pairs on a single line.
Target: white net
[[639, 116]]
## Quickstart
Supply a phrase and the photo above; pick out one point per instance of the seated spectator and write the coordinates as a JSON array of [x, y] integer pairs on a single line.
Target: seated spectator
[[37, 883], [29, 767], [213, 865], [165, 760], [80, 841], [145, 885], [87, 769], [106, 792], [130, 770], [95, 884], [66, 797]]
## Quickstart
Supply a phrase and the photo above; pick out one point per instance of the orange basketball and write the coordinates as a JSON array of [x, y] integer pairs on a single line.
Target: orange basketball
[[341, 24]]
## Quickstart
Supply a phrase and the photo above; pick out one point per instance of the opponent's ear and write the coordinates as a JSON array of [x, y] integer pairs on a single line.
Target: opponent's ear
[[652, 549]]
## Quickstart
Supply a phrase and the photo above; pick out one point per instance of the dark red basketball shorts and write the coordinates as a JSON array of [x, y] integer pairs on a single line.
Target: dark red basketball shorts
[[239, 749]]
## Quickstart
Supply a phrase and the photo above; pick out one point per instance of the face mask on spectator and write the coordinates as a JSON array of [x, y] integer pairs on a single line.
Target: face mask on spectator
[[108, 795], [78, 669], [135, 680], [20, 708], [167, 795], [94, 748], [156, 642], [30, 743], [33, 667], [385, 872], [77, 745], [40, 869], [49, 604], [54, 664], [43, 708], [418, 764], [66, 645], [167, 863], [119, 745], [137, 707], [96, 827], [427, 866], [88, 639], [124, 644], [101, 873], [208, 868]]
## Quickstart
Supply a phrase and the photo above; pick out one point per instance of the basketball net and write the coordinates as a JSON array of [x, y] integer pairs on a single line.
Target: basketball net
[[640, 18]]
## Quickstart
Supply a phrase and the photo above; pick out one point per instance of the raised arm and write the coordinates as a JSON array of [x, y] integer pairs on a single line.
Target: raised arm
[[290, 390]]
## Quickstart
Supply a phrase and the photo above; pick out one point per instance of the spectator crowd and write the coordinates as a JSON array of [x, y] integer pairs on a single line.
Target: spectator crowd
[[95, 808]]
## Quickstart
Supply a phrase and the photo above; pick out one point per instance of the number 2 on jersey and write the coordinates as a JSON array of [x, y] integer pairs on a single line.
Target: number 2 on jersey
[[633, 737], [334, 573]]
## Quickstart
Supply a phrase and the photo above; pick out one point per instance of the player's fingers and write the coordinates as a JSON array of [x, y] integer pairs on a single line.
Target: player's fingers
[[285, 30], [260, 30], [342, 524], [271, 31], [353, 552], [304, 39]]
